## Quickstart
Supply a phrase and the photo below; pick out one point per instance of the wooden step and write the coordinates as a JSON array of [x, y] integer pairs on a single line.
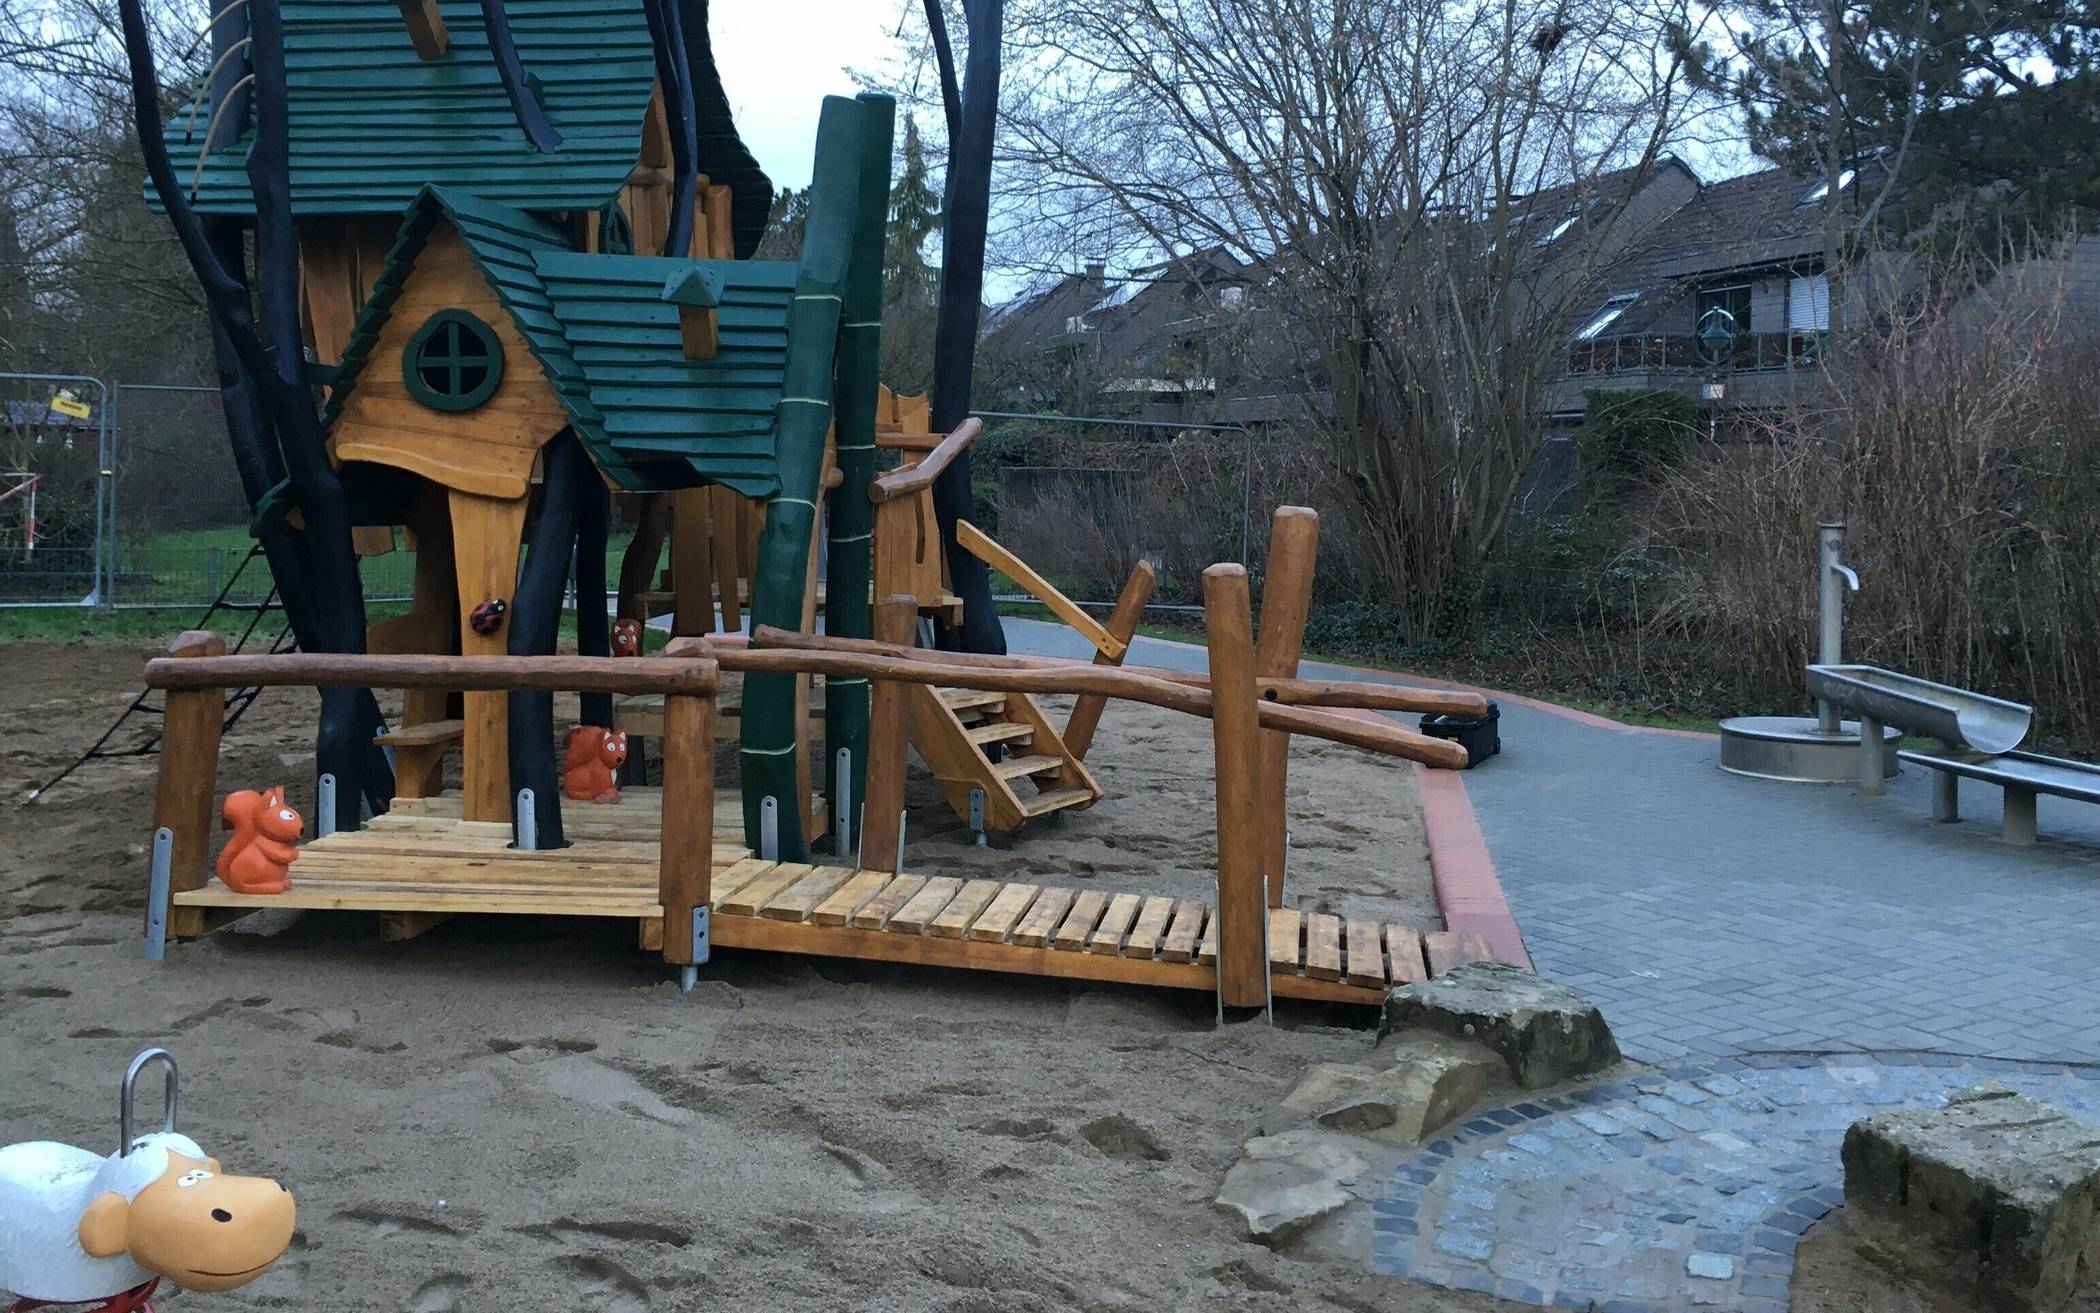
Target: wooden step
[[1014, 768], [1052, 800], [968, 699], [999, 731], [428, 734]]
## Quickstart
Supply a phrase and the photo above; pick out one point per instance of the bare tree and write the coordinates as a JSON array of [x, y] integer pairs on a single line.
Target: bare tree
[[1431, 189]]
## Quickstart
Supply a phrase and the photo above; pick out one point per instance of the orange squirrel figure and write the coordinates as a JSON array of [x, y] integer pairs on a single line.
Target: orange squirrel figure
[[627, 638], [590, 755], [265, 841]]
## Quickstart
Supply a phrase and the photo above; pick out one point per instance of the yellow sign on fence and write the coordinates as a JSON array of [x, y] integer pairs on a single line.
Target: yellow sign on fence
[[63, 402]]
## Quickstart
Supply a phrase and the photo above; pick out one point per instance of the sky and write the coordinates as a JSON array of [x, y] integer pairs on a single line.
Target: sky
[[780, 58]]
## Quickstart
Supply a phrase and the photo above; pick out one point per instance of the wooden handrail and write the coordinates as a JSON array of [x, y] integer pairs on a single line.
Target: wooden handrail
[[979, 544], [1352, 694], [905, 482], [907, 441], [551, 674], [1381, 736]]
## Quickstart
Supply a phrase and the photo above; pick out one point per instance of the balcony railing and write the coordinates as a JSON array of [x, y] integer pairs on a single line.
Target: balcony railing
[[1662, 353]]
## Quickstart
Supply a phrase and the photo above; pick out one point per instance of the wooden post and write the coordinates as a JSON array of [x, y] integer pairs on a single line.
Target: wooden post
[[1286, 598], [889, 721], [693, 604], [685, 860], [1235, 730], [188, 785], [1122, 626], [485, 536]]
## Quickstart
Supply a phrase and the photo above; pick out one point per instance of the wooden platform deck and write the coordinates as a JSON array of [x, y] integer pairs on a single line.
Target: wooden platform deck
[[422, 868]]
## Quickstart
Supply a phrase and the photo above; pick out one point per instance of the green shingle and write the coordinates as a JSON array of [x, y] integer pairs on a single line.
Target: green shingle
[[603, 335]]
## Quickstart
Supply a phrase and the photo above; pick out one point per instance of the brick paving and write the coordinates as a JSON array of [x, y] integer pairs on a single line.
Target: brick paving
[[1709, 914], [1688, 1188]]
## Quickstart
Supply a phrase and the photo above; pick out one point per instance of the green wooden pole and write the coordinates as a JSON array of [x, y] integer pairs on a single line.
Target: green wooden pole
[[847, 610], [770, 739]]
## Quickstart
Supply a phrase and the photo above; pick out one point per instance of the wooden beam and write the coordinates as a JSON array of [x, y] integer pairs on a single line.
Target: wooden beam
[[685, 860], [188, 782], [1235, 729], [1286, 600], [1122, 625], [918, 477], [889, 711], [396, 927], [692, 566], [426, 28], [1277, 692], [499, 674], [980, 545]]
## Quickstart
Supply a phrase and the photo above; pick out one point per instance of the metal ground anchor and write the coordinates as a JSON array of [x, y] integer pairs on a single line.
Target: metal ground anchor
[[528, 823], [157, 894]]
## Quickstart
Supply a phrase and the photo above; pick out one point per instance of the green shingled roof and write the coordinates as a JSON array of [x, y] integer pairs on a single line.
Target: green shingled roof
[[371, 124], [610, 344]]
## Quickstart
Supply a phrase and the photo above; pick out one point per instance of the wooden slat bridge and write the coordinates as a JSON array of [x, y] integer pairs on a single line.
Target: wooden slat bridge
[[417, 870]]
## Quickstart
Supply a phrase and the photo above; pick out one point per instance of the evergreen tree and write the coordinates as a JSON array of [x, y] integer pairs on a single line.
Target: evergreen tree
[[910, 286]]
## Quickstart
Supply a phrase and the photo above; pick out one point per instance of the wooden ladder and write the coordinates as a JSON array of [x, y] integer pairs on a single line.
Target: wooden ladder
[[996, 742]]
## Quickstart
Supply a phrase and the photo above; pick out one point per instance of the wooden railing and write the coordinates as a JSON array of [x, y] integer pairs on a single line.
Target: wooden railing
[[979, 544], [908, 555]]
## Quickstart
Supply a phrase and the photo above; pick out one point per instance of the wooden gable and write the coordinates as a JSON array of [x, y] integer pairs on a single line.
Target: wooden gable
[[489, 450]]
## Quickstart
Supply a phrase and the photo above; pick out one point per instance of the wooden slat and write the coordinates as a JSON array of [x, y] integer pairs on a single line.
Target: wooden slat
[[736, 877], [799, 899], [1285, 934], [1004, 913], [1180, 943], [1448, 948], [1115, 923], [1323, 946], [840, 907], [1043, 918], [925, 905], [1403, 951], [1080, 921], [959, 915], [747, 900], [1151, 927], [1365, 960], [424, 735], [1207, 950], [348, 896], [879, 909]]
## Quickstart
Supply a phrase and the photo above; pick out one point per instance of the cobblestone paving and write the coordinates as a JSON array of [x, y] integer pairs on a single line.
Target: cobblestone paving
[[1673, 1190]]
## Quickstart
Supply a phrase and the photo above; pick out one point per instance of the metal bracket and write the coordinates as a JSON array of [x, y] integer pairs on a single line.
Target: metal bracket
[[157, 894], [1268, 964], [977, 815], [528, 823], [769, 828], [703, 948], [124, 1097], [902, 819], [324, 804], [842, 803]]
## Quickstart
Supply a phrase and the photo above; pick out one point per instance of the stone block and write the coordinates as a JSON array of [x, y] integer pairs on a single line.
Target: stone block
[[1997, 1196], [1285, 1183], [1545, 1033]]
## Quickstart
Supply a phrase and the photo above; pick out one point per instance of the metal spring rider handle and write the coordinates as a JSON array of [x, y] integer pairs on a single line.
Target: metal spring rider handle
[[131, 1079]]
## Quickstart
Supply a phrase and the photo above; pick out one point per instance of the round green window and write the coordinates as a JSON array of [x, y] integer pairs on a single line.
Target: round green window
[[453, 362]]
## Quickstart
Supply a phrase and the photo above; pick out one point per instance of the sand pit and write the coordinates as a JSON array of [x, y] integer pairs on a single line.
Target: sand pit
[[510, 1108]]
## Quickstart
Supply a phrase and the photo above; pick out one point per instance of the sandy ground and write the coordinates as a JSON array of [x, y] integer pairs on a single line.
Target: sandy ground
[[511, 1107]]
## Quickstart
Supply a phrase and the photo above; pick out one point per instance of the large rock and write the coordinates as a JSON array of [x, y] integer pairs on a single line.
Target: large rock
[[1423, 1082], [1996, 1195], [1285, 1183], [1546, 1033]]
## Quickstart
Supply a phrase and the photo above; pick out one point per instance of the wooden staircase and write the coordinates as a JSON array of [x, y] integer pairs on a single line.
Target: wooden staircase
[[1000, 743]]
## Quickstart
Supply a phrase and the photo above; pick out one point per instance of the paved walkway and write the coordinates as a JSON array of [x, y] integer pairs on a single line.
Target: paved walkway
[[1710, 914]]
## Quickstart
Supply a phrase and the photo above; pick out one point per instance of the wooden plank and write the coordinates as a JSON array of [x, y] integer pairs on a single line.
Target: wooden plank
[[747, 900], [925, 905], [1448, 948], [958, 916], [1043, 918], [1115, 923], [1365, 961], [1150, 927], [426, 28], [1285, 928], [352, 897], [1403, 951], [1243, 977], [850, 897], [1180, 943], [875, 914], [1079, 923], [485, 533], [980, 545], [1323, 946], [395, 927], [1207, 950], [798, 900], [423, 735], [1004, 913]]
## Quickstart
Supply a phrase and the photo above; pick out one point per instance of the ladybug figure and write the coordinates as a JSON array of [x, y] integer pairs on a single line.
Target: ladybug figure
[[487, 618]]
